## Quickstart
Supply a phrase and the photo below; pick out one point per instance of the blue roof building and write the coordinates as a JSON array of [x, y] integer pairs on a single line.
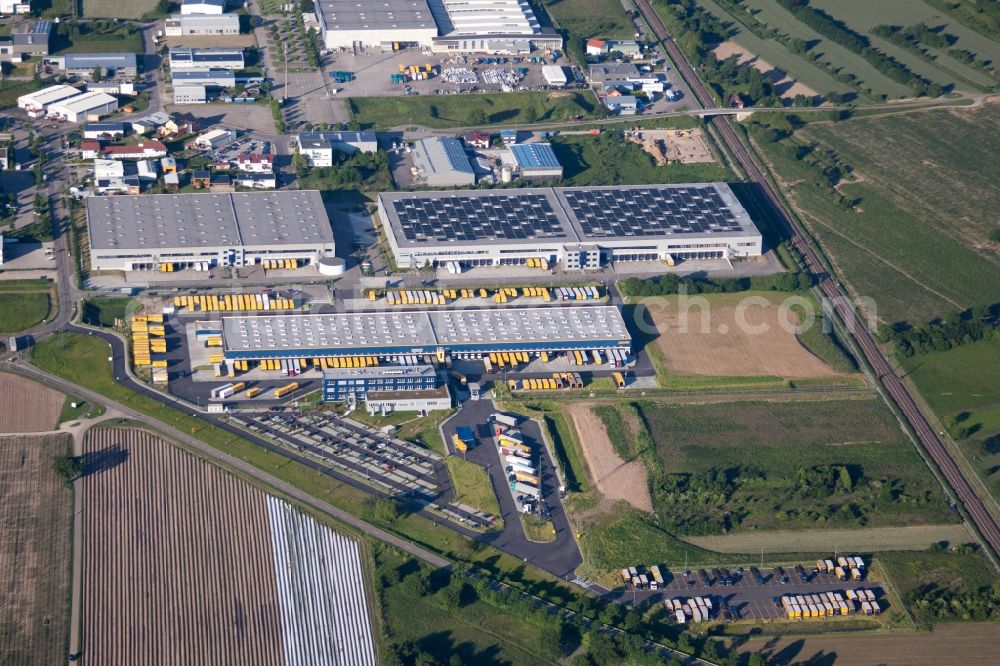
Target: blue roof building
[[536, 160]]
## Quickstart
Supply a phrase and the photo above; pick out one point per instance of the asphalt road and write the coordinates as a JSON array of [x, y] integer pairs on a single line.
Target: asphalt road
[[893, 385], [562, 556]]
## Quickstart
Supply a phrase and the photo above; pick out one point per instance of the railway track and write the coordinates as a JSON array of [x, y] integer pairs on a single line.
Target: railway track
[[892, 384]]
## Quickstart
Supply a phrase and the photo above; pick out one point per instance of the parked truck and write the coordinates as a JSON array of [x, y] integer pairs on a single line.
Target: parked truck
[[525, 489], [526, 478], [286, 389]]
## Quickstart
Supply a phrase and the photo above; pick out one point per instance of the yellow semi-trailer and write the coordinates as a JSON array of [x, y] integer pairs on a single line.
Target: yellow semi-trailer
[[286, 389], [254, 392]]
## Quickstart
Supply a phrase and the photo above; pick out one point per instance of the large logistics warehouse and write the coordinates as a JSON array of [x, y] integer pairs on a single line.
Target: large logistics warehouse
[[372, 23], [578, 227], [441, 332], [168, 232]]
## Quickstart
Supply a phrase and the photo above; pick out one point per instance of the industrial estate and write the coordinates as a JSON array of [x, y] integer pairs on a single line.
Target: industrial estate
[[498, 332]]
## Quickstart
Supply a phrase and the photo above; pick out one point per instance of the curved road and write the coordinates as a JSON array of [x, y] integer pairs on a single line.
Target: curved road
[[894, 386]]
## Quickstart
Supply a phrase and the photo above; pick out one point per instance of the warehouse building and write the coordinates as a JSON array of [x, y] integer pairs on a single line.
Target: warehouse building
[[31, 38], [578, 227], [106, 130], [190, 95], [612, 74], [318, 147], [38, 102], [83, 64], [185, 58], [85, 107], [441, 162], [555, 75], [202, 25], [398, 336], [207, 230], [536, 161], [507, 27], [362, 24]]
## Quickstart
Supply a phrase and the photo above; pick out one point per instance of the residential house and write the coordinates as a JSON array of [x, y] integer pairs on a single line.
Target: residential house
[[477, 139], [220, 182], [318, 147], [139, 151], [596, 47], [255, 162], [90, 149], [256, 181], [201, 178]]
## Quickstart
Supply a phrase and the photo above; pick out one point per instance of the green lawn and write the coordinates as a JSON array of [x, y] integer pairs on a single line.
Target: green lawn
[[609, 160], [426, 431], [538, 529], [462, 110], [915, 241], [83, 408], [102, 311], [11, 90], [108, 38], [762, 465], [20, 311], [472, 485]]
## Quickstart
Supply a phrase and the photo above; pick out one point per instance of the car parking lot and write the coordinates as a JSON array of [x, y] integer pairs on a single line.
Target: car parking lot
[[246, 143], [395, 467]]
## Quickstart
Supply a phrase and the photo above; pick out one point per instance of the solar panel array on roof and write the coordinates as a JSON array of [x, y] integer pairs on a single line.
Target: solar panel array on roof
[[465, 218], [652, 211]]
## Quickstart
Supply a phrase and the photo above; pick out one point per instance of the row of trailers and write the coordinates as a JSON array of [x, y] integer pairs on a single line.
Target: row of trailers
[[232, 303], [147, 333], [503, 360], [295, 366], [518, 461], [637, 578], [845, 566], [695, 609], [558, 381], [828, 604]]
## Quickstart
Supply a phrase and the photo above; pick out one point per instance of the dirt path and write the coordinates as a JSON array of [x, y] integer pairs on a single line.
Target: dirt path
[[786, 85], [916, 537], [722, 341], [614, 478]]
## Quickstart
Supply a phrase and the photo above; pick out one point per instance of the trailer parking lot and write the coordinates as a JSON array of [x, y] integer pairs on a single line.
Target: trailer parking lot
[[394, 467]]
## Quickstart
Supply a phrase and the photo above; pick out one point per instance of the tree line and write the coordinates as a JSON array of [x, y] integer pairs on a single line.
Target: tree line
[[954, 329], [670, 284]]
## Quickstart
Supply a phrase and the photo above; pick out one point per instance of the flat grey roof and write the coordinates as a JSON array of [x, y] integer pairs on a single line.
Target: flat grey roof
[[370, 331], [90, 60], [325, 139], [564, 214], [376, 15], [376, 372], [207, 220]]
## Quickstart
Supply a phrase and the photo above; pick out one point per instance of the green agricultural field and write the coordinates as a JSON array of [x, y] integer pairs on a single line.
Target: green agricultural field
[[773, 52], [960, 386], [96, 37], [115, 9], [473, 110], [583, 19], [915, 240], [21, 310], [862, 15], [939, 585], [760, 465], [609, 160]]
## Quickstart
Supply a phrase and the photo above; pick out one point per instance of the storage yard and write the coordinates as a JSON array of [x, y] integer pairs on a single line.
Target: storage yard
[[36, 508], [27, 406], [210, 565]]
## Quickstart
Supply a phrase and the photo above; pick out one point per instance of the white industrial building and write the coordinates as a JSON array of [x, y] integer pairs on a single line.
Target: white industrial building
[[214, 138], [490, 26], [373, 23], [577, 227], [195, 25], [38, 102], [190, 95], [218, 78], [15, 7], [216, 7], [441, 162], [83, 64], [187, 58], [318, 147], [202, 231], [85, 107], [555, 75], [485, 26]]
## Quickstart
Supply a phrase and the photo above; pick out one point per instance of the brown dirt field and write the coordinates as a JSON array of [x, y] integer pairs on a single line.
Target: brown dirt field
[[177, 559], [28, 406], [953, 643], [614, 478], [711, 343], [683, 146], [915, 537], [36, 508], [788, 86]]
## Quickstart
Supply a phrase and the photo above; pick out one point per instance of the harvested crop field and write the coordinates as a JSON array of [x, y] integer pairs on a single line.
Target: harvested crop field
[[35, 515], [955, 643], [28, 406], [751, 336], [914, 537], [614, 478], [185, 563]]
